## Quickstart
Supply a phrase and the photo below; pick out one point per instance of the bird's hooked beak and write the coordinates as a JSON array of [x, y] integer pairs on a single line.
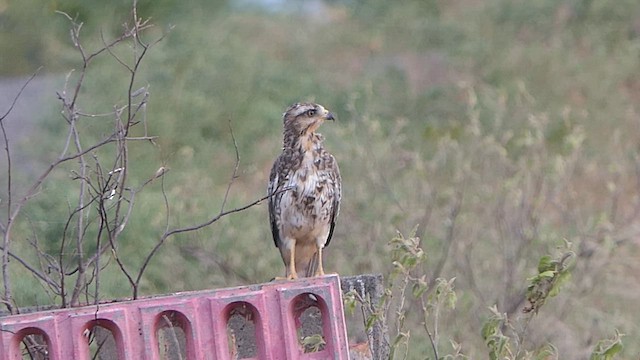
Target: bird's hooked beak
[[329, 116]]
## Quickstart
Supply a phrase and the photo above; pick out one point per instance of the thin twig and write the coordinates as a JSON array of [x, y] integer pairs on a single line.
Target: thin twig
[[80, 222], [234, 175], [194, 228], [31, 269], [431, 336]]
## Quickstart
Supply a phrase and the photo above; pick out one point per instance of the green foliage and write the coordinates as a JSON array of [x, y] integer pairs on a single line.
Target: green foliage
[[406, 253], [43, 41], [350, 301], [444, 294], [548, 352], [313, 343], [499, 345], [408, 260], [552, 274], [608, 349], [509, 346]]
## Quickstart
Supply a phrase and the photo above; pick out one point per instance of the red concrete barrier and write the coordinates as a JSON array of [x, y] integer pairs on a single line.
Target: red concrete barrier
[[199, 321]]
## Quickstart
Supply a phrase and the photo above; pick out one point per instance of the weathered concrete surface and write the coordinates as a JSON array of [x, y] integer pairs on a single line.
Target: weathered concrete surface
[[370, 287]]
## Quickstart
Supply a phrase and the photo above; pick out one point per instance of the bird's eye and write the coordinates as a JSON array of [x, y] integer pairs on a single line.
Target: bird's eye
[[311, 112]]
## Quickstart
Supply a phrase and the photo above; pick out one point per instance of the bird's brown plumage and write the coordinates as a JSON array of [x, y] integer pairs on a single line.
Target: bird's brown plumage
[[306, 187]]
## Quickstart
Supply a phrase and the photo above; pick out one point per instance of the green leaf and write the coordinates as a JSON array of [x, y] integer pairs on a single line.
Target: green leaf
[[547, 352], [419, 287], [545, 264], [452, 299], [560, 280], [607, 349], [313, 343], [613, 350], [547, 274], [490, 328], [373, 318], [350, 302]]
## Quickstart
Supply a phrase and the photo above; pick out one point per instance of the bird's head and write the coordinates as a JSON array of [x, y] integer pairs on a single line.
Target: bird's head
[[305, 118]]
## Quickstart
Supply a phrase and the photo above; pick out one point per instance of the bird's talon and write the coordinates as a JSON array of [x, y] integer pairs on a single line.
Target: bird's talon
[[292, 277]]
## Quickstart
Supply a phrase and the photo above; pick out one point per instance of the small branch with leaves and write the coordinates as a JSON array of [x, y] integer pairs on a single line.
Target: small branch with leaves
[[408, 286]]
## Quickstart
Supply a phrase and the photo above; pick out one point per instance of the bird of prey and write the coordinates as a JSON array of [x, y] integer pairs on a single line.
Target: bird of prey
[[305, 186]]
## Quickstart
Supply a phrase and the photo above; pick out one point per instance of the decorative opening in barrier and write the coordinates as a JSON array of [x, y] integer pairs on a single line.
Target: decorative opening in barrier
[[307, 310], [242, 319], [104, 340], [172, 333], [34, 344]]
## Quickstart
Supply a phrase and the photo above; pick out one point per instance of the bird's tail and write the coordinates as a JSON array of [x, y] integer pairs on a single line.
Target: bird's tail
[[313, 266]]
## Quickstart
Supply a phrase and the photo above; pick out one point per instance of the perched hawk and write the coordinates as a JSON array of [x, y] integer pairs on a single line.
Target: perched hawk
[[306, 184]]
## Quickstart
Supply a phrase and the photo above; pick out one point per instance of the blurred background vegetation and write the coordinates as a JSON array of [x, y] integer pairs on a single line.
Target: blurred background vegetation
[[501, 128]]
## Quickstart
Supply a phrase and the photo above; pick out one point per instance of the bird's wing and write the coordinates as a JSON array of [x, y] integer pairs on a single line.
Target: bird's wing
[[334, 175], [275, 184]]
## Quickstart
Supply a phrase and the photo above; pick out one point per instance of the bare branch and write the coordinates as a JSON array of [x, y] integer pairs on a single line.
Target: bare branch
[[15, 99], [31, 269], [108, 48], [80, 222], [167, 234], [103, 187], [432, 339], [234, 175]]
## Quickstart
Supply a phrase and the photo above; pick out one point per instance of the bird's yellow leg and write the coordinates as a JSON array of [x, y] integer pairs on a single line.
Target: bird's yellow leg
[[291, 266], [319, 270], [292, 263]]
